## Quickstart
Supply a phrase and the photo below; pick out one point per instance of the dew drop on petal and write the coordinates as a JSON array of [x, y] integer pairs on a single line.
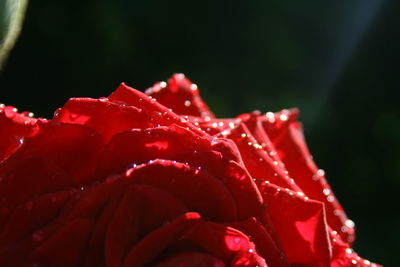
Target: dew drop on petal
[[193, 87], [349, 223], [321, 172], [283, 117], [270, 116]]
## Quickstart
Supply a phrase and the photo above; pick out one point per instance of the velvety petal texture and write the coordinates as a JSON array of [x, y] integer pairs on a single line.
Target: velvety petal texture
[[154, 179]]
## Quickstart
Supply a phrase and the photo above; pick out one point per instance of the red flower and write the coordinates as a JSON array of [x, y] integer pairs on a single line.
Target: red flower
[[156, 180]]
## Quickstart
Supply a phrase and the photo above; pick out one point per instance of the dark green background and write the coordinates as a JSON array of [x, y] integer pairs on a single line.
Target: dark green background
[[338, 61]]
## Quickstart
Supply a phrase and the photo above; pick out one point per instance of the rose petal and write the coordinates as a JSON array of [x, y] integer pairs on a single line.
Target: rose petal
[[160, 114], [47, 162], [181, 95], [300, 224], [267, 246], [67, 247], [191, 259], [197, 189], [160, 142], [189, 231], [259, 163], [14, 128], [141, 210], [296, 156], [105, 117]]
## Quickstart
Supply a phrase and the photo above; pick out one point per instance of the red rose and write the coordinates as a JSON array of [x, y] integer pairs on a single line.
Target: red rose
[[156, 180]]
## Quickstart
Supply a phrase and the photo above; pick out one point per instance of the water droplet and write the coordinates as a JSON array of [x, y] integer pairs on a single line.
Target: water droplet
[[193, 87], [187, 103], [349, 250], [354, 261], [326, 191], [276, 163], [283, 117], [270, 116], [349, 223], [321, 172], [330, 198], [57, 112], [163, 84]]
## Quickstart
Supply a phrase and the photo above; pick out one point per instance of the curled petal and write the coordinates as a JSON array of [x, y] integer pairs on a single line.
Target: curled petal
[[181, 95], [300, 224], [293, 151], [14, 128], [160, 114]]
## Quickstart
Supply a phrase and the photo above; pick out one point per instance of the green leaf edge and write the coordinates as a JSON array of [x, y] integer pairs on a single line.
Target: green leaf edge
[[13, 31]]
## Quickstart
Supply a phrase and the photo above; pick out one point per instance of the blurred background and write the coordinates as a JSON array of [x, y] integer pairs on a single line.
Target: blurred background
[[337, 61]]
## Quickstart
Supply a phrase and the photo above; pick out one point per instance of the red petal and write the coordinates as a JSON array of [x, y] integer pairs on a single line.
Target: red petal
[[300, 224], [147, 250], [190, 232], [14, 128], [105, 117], [48, 163], [161, 142], [160, 114], [256, 159], [141, 210], [191, 259], [123, 148], [197, 189], [296, 156], [181, 95], [67, 247], [267, 246]]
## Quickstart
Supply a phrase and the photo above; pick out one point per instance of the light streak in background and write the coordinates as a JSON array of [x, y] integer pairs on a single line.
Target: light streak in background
[[356, 23]]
